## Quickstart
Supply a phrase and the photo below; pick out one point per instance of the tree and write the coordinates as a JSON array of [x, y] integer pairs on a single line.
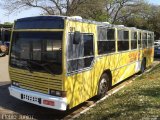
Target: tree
[[121, 9], [147, 18], [50, 7], [7, 23], [138, 17], [90, 9]]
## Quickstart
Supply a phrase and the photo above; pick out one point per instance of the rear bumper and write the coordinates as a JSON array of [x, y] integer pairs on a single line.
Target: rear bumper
[[37, 98]]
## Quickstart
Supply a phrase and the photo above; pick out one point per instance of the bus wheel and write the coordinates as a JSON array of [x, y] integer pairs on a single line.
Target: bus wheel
[[103, 86], [143, 66]]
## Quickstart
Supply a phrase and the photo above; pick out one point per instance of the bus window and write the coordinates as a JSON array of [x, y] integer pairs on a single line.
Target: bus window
[[80, 55], [88, 45], [33, 48], [123, 40], [150, 43], [139, 40], [144, 40], [133, 40], [102, 33], [106, 40]]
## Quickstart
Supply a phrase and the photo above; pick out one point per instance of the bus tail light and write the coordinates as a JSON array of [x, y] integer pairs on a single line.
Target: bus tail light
[[57, 93], [48, 102]]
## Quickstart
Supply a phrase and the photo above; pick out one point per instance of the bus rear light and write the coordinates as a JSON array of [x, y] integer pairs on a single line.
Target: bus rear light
[[57, 93], [47, 102]]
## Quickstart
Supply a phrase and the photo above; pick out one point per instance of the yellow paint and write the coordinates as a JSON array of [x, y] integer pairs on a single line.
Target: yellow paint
[[83, 86]]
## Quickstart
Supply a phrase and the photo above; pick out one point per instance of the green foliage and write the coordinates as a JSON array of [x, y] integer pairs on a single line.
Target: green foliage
[[7, 23], [137, 101], [147, 18], [90, 9]]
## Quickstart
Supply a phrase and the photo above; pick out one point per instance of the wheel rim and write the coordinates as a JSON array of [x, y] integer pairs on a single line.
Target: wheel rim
[[103, 87]]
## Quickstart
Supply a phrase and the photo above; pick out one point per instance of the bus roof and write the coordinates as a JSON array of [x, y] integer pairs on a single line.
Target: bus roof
[[77, 19], [72, 18]]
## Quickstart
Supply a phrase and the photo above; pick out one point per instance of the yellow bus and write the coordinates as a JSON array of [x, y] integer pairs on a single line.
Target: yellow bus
[[59, 62]]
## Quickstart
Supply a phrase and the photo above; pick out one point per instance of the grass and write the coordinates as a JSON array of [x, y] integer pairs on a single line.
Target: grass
[[139, 100]]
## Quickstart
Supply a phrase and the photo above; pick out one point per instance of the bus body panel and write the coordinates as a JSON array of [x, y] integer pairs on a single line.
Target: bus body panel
[[82, 85]]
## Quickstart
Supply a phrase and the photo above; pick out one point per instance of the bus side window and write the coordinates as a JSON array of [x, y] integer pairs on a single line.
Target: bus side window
[[150, 43], [144, 40], [133, 40], [123, 40], [106, 40], [139, 40], [80, 56]]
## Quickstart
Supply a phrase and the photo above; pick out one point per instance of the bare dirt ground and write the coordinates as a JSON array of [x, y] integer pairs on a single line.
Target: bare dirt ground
[[11, 108]]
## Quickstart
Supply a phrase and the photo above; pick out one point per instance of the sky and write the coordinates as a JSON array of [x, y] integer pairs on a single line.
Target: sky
[[155, 2], [34, 12], [10, 18]]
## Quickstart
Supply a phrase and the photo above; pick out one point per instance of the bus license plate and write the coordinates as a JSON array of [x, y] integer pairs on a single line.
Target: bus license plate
[[30, 98]]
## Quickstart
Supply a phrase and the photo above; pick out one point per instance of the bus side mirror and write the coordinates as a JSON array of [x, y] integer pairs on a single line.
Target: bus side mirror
[[77, 37]]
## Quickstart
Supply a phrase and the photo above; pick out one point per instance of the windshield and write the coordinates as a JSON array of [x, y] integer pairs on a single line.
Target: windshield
[[37, 51]]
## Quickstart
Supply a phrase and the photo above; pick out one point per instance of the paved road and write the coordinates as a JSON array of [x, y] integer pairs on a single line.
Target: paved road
[[13, 108], [4, 77]]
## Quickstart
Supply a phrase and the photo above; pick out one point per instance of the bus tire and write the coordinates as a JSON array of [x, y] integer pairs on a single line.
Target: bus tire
[[143, 66], [103, 86]]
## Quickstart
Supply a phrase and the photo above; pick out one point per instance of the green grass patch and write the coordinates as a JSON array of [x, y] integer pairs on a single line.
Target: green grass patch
[[138, 100]]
